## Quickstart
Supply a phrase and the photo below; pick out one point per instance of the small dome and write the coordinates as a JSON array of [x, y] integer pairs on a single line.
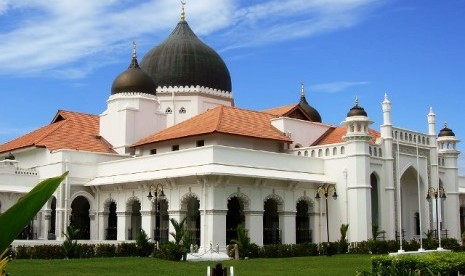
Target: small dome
[[133, 80], [357, 110], [184, 60], [446, 132], [311, 112]]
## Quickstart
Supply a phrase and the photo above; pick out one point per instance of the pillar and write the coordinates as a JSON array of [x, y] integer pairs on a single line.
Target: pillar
[[123, 223], [103, 225], [287, 225], [148, 223], [254, 225]]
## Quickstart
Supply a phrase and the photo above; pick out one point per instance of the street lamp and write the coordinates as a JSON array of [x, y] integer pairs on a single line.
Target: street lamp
[[326, 190], [159, 195], [439, 193]]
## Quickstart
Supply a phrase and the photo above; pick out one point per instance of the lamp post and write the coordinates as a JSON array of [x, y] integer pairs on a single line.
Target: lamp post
[[158, 195], [436, 193], [326, 190]]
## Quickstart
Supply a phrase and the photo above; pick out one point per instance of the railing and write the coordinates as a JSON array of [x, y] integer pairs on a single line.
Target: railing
[[444, 233], [271, 236], [397, 235], [303, 235]]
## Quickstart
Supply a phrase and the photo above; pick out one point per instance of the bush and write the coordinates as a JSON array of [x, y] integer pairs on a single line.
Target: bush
[[170, 251], [126, 250], [254, 251], [86, 250], [105, 250], [424, 264], [22, 252], [144, 247]]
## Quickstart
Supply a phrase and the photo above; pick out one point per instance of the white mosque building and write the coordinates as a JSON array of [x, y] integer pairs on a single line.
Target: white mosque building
[[171, 129]]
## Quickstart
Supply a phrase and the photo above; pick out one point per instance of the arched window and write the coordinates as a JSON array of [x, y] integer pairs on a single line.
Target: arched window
[[312, 154], [380, 153], [343, 150], [320, 152], [182, 110], [168, 110], [334, 151], [369, 150], [299, 153], [305, 153], [327, 152]]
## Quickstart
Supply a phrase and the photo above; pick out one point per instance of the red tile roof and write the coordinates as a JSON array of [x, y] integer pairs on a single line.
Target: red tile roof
[[335, 135], [282, 110], [68, 130], [221, 119]]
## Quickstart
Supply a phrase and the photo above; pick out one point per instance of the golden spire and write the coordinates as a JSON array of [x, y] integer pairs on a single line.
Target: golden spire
[[183, 14]]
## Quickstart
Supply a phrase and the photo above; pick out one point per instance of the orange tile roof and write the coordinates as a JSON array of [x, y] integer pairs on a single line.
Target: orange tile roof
[[282, 110], [221, 119], [335, 135], [68, 130]]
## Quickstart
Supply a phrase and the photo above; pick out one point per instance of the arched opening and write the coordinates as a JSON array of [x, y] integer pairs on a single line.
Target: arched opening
[[112, 229], [302, 222], [271, 231], [191, 206], [234, 217], [161, 222], [374, 200], [80, 217], [409, 204], [135, 219]]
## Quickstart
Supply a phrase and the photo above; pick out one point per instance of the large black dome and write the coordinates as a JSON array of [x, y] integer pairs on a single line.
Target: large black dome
[[133, 80], [184, 60], [357, 110]]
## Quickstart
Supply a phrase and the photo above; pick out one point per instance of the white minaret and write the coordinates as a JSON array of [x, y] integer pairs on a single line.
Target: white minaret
[[388, 185], [358, 177], [448, 177]]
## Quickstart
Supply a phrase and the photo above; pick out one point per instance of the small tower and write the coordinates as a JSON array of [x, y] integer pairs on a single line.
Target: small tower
[[448, 176], [357, 123], [358, 173], [132, 109]]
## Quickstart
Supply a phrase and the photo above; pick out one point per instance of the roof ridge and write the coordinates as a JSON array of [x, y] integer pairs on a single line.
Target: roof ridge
[[219, 117], [58, 125], [324, 135]]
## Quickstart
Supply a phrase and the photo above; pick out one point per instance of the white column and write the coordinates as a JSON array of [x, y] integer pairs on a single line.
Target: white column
[[123, 223], [254, 224], [45, 224], [103, 224], [287, 225], [148, 222], [216, 232], [93, 225]]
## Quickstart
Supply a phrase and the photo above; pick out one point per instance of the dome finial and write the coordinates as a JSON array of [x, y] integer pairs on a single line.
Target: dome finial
[[183, 13], [302, 90], [445, 124], [356, 100], [134, 63]]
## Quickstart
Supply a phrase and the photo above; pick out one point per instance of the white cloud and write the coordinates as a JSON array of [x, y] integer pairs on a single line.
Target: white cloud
[[76, 36], [338, 86]]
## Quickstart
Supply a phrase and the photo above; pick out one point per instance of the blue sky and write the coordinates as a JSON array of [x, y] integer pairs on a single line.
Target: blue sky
[[65, 54]]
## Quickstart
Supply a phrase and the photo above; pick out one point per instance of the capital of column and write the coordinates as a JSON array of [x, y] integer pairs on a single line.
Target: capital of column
[[147, 213], [254, 213]]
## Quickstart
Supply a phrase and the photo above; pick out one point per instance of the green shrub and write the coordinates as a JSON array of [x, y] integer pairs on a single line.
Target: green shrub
[[144, 247], [105, 250], [254, 251], [126, 250], [22, 252], [86, 251], [46, 252], [422, 264], [329, 248], [170, 251]]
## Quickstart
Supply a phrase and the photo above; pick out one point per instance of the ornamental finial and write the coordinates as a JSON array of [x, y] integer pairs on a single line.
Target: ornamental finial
[[356, 100], [302, 90], [134, 50], [183, 13]]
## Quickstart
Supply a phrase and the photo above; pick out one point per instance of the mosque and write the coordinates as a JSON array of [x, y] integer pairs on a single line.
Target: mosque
[[172, 144]]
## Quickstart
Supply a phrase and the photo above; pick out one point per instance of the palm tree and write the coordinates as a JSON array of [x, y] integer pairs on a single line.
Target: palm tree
[[242, 241], [179, 230]]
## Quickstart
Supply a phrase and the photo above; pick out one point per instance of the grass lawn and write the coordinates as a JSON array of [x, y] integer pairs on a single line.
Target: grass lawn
[[322, 265]]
